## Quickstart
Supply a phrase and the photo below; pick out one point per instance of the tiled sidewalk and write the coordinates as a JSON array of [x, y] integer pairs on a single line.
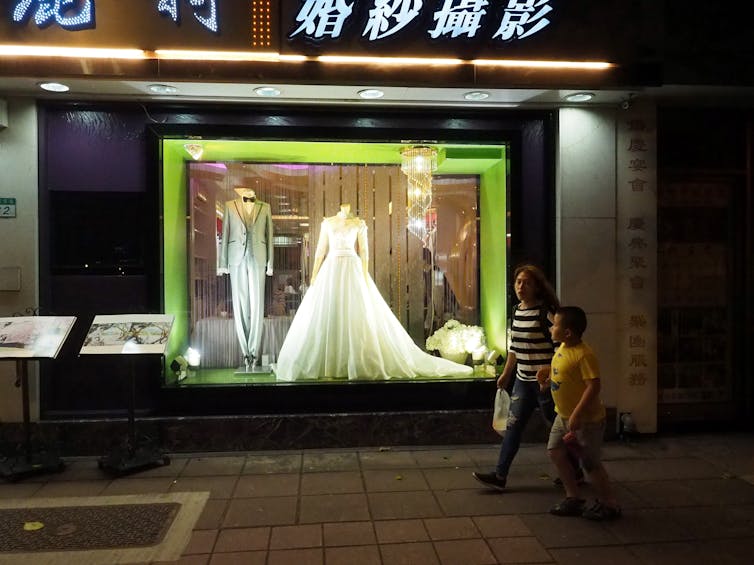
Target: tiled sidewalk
[[686, 500]]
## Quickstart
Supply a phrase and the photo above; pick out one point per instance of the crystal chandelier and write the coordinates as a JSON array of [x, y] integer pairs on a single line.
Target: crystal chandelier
[[418, 163]]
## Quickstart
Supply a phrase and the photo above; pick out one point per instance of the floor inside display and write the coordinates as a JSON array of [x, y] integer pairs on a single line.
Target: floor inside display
[[260, 376]]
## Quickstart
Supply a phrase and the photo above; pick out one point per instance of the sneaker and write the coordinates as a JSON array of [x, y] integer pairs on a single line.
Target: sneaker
[[601, 512], [569, 507], [490, 480]]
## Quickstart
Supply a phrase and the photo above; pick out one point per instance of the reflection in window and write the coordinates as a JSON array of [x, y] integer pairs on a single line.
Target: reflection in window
[[425, 283]]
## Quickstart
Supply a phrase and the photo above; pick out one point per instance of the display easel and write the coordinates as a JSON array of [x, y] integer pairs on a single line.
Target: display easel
[[24, 339], [137, 336]]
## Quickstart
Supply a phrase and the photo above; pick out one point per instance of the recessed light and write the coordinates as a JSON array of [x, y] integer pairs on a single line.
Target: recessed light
[[476, 95], [267, 91], [371, 93], [162, 89], [580, 97], [53, 87]]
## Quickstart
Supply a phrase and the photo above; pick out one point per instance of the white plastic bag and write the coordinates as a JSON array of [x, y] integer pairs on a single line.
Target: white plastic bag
[[500, 411]]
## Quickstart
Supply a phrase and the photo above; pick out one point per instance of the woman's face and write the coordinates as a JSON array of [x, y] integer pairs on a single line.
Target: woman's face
[[526, 287]]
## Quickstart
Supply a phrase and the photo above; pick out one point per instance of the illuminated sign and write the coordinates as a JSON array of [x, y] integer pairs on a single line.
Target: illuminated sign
[[72, 15], [320, 19]]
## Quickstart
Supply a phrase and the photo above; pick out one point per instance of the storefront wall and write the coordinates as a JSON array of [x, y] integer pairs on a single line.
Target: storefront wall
[[19, 236], [586, 228]]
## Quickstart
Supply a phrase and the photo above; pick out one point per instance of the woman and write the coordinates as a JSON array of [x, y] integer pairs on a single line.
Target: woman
[[531, 351]]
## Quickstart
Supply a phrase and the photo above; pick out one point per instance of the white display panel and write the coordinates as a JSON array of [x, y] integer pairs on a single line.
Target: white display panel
[[128, 334], [33, 336]]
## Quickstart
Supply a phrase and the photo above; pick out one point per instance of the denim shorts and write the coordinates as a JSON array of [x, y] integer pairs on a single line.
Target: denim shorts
[[590, 437]]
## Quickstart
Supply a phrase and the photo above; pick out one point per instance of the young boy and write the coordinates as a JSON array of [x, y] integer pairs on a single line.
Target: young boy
[[574, 380]]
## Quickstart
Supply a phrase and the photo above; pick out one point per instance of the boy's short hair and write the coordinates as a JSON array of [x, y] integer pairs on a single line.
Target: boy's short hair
[[573, 318]]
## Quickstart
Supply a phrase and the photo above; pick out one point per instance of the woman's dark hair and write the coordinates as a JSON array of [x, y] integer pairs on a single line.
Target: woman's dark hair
[[545, 292]]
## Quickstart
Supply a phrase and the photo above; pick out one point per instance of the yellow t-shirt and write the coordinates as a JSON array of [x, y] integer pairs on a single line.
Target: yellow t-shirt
[[571, 368]]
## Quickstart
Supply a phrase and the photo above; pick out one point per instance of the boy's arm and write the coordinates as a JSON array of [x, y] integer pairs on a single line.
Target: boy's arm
[[591, 394]]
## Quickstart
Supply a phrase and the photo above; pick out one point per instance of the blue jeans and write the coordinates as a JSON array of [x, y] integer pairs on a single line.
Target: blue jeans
[[525, 398]]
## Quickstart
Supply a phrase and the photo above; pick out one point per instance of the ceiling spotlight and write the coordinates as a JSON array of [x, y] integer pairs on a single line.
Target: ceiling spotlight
[[476, 95], [267, 91], [371, 93], [53, 87], [162, 89], [580, 97]]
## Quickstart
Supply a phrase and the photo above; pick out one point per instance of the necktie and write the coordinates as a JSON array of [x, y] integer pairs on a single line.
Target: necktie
[[249, 199]]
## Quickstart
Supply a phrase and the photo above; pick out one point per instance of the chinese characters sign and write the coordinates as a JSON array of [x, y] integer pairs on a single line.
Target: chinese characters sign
[[637, 264], [323, 20]]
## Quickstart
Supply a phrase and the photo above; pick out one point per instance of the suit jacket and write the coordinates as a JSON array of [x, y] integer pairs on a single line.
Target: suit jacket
[[242, 234]]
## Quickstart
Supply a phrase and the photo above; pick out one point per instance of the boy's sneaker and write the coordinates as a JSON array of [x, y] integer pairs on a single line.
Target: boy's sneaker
[[490, 480], [601, 512], [569, 507]]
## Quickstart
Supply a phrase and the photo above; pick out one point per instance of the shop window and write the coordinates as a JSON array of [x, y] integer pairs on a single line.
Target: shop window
[[425, 282]]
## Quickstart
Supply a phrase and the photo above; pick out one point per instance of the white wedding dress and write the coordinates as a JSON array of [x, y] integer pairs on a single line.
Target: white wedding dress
[[344, 329]]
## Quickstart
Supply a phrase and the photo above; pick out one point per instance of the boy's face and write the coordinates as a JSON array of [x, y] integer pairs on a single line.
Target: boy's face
[[558, 331]]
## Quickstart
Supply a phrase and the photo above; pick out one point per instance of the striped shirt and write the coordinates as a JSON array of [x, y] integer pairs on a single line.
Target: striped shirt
[[530, 343]]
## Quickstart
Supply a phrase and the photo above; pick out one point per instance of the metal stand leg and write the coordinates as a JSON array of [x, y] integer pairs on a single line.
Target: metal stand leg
[[30, 463], [135, 455]]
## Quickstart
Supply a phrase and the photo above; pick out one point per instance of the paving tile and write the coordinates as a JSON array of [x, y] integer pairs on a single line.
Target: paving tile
[[212, 516], [137, 486], [202, 541], [76, 488], [484, 502], [323, 462], [520, 550], [557, 531], [204, 466], [394, 531], [239, 558], [361, 554], [389, 505], [333, 508], [246, 512], [442, 458], [617, 555], [501, 526], [678, 553], [242, 539], [464, 552], [679, 468], [417, 553], [266, 485], [451, 528], [386, 460], [218, 487], [649, 525], [296, 557], [189, 560], [484, 458], [79, 470], [451, 479], [263, 463], [20, 490], [394, 480], [292, 537], [349, 533], [332, 482], [709, 522]]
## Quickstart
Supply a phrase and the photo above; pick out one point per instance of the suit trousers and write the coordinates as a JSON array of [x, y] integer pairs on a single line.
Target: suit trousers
[[247, 288]]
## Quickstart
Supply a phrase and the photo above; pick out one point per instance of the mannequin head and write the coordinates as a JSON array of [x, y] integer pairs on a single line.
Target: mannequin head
[[246, 192], [345, 210]]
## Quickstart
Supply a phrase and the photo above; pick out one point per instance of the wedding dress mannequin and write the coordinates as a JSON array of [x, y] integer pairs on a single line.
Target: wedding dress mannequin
[[343, 327], [246, 253]]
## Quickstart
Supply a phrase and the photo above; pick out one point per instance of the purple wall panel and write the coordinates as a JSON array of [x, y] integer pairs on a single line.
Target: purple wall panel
[[91, 150]]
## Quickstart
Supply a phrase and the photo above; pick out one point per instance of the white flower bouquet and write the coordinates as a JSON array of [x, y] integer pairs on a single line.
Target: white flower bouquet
[[456, 338]]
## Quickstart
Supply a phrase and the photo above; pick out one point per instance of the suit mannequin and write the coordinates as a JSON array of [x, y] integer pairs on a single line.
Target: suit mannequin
[[246, 253]]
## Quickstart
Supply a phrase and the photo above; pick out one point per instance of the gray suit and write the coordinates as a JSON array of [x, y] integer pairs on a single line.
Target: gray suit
[[246, 252]]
